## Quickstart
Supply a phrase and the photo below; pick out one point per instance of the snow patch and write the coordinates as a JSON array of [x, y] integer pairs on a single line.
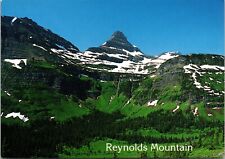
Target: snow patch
[[111, 99], [8, 94], [13, 20], [168, 55], [116, 56], [216, 108], [20, 116], [39, 47], [176, 108], [212, 67], [134, 53], [16, 62], [152, 76], [210, 114], [52, 117], [196, 83], [61, 47], [195, 111], [128, 102], [163, 58], [152, 103], [194, 70]]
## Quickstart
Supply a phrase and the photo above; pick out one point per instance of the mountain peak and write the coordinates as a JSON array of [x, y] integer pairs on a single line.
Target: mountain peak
[[119, 41], [118, 35]]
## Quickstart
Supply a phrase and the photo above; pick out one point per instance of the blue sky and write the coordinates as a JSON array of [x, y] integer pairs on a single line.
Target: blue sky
[[155, 26]]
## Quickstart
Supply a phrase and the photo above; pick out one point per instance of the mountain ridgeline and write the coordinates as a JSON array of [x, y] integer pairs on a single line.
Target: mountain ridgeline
[[78, 101]]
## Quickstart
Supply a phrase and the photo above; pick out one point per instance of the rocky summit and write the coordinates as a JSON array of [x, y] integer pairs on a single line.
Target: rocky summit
[[118, 55], [118, 40]]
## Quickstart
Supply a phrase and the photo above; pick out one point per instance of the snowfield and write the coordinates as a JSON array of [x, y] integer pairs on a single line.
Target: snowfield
[[16, 62], [20, 116], [126, 66], [195, 71], [163, 58], [213, 67]]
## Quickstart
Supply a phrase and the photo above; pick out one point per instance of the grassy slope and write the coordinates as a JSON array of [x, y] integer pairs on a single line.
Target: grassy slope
[[111, 99], [37, 103], [41, 102], [168, 99]]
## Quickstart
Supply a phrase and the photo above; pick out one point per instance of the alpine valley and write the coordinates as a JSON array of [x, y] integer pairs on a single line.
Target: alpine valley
[[57, 101]]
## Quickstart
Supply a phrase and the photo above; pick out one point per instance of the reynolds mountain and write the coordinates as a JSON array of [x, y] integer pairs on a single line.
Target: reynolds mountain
[[30, 40]]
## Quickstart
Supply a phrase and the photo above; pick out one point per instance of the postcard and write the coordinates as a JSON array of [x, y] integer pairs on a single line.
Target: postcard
[[112, 79]]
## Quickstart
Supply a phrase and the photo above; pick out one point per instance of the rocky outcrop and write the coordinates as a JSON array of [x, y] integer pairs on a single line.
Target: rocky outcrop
[[23, 38]]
